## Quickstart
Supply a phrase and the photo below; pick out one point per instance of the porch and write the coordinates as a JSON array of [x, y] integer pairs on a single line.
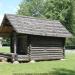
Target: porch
[[18, 49]]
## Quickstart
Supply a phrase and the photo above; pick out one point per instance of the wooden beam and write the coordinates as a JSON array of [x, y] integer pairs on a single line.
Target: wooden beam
[[64, 48], [15, 58], [15, 42]]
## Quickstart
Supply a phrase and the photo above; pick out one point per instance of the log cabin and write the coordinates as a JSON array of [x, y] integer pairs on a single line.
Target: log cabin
[[34, 38]]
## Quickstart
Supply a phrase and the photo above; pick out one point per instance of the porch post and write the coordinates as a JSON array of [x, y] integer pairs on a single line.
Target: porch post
[[64, 48], [15, 58], [15, 43]]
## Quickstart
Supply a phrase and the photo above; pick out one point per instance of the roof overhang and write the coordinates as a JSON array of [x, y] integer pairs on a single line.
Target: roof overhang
[[33, 26]]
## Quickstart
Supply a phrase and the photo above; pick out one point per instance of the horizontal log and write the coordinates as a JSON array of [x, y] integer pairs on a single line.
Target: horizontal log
[[23, 58], [46, 47], [46, 51], [46, 58], [48, 54]]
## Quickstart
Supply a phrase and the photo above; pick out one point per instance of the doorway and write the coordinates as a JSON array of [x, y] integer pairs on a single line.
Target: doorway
[[22, 45]]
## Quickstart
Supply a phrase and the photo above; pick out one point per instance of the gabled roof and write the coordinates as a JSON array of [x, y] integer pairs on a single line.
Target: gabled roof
[[35, 26]]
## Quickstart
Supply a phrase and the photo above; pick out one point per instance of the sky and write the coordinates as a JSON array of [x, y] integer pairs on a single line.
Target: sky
[[9, 7]]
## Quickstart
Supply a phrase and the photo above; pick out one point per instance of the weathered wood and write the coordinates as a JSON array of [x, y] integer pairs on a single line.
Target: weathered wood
[[15, 42], [35, 38], [10, 56], [45, 57], [34, 26], [37, 47], [46, 48], [46, 51], [64, 47], [23, 57]]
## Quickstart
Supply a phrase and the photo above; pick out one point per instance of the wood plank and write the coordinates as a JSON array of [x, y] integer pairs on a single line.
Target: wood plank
[[47, 51], [45, 57], [47, 54], [46, 48], [23, 58]]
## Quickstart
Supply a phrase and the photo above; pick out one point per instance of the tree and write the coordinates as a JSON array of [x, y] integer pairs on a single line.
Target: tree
[[71, 41], [50, 9], [73, 16], [59, 10], [31, 8]]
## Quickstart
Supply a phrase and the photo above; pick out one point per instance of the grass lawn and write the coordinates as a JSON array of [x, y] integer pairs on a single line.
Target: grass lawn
[[59, 67], [5, 49]]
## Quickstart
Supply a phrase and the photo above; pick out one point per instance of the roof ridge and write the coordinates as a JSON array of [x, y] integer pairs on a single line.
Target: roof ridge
[[32, 17]]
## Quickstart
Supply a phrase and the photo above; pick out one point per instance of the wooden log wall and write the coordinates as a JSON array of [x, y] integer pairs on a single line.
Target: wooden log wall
[[46, 48]]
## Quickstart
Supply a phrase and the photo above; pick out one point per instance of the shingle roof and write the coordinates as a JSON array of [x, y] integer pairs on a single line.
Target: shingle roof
[[36, 26]]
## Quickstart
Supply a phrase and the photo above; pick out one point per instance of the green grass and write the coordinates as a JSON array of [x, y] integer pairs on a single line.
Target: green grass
[[5, 49], [65, 67]]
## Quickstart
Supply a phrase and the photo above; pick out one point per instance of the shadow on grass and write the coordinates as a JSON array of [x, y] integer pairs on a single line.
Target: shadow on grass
[[63, 72], [55, 72]]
